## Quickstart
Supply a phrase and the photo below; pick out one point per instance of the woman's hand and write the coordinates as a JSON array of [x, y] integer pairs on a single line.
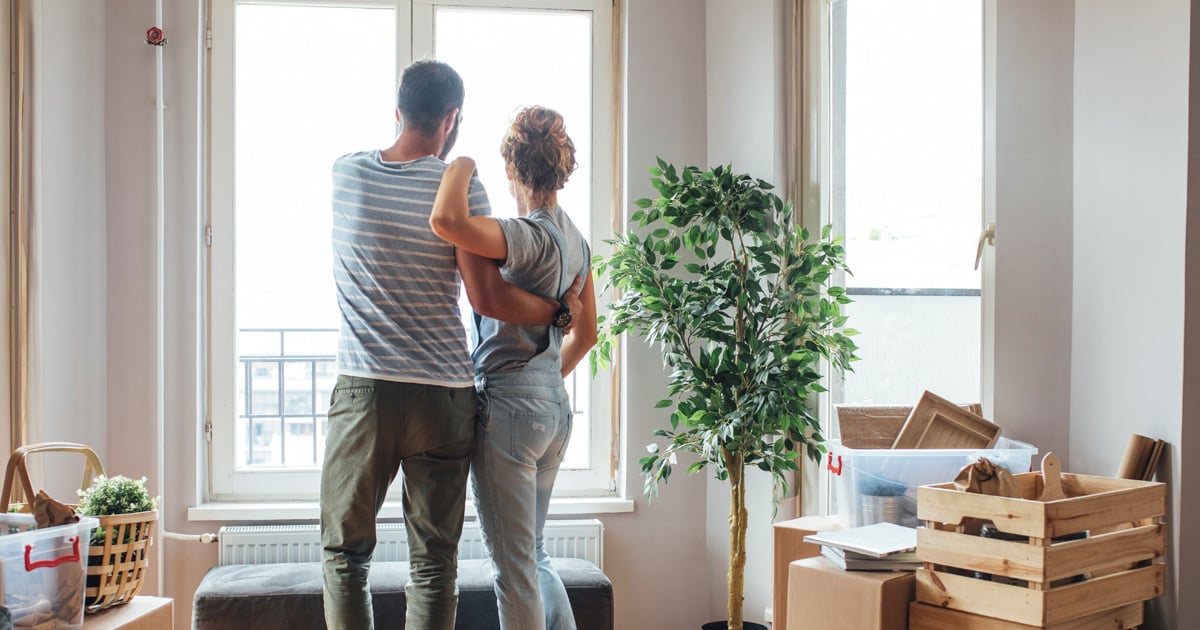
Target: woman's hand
[[461, 170]]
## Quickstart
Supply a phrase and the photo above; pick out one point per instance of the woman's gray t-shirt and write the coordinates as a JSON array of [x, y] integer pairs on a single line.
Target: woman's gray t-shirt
[[534, 264]]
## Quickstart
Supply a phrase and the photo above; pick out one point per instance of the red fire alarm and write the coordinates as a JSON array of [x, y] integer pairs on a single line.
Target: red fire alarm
[[154, 36]]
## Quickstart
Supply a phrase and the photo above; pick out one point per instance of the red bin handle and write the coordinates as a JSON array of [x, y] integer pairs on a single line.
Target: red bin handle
[[43, 564], [835, 470]]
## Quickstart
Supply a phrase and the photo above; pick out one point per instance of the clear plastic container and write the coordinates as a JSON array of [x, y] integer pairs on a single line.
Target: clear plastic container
[[880, 485], [44, 570]]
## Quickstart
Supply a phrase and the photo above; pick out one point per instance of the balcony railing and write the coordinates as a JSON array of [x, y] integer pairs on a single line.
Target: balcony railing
[[284, 382], [285, 378]]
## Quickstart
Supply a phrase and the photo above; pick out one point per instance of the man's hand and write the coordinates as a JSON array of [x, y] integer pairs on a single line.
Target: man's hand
[[571, 299]]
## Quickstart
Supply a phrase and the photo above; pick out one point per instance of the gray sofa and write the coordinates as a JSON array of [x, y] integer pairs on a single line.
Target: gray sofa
[[288, 596]]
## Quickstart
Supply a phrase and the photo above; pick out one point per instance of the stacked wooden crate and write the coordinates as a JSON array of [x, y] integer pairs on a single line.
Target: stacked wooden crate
[[1100, 577]]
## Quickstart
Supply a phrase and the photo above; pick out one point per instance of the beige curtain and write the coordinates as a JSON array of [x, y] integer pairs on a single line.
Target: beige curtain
[[803, 51], [793, 90], [20, 133], [618, 203]]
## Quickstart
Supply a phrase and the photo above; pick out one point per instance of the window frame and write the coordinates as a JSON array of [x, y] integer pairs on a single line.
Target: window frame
[[816, 128], [415, 28]]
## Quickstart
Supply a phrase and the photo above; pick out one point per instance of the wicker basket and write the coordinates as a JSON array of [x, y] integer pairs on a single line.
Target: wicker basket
[[117, 557], [117, 566]]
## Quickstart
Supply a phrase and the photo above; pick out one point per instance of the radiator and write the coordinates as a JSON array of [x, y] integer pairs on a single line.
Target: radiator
[[263, 544]]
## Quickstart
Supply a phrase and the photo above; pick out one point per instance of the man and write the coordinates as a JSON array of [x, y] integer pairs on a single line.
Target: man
[[405, 396]]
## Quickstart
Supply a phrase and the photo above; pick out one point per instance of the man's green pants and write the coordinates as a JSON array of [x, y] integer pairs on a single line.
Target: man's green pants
[[377, 428]]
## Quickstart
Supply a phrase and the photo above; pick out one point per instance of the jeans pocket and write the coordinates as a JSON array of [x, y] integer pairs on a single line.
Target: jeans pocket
[[531, 436]]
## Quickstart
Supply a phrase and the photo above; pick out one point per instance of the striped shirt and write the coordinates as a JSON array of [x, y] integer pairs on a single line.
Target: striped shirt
[[397, 282]]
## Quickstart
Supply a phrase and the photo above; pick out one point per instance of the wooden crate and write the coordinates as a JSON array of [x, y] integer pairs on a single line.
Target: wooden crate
[[1036, 581], [927, 617]]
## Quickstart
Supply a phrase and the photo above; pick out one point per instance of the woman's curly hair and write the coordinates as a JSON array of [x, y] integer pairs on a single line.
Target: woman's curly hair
[[537, 149]]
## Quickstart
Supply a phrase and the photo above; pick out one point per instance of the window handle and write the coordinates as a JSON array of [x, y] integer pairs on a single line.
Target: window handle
[[988, 235]]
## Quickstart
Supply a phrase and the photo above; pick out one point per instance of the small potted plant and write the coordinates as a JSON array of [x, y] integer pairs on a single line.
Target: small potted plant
[[117, 557]]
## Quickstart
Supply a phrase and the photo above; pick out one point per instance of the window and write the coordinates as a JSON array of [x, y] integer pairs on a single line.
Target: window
[[297, 84], [905, 186], [895, 131]]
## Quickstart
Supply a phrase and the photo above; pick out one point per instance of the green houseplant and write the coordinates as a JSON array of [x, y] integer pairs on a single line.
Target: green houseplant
[[110, 496], [117, 555], [738, 297]]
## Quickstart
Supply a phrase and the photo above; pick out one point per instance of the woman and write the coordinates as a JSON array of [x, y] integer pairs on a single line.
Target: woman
[[524, 418]]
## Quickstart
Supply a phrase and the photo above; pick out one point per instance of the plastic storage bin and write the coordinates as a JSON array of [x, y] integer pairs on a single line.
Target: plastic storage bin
[[43, 571], [880, 485]]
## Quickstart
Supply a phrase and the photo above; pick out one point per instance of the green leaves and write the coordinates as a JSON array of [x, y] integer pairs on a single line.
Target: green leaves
[[717, 273], [115, 495]]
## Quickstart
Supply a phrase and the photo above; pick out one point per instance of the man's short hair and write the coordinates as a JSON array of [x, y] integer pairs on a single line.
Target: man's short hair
[[429, 89]]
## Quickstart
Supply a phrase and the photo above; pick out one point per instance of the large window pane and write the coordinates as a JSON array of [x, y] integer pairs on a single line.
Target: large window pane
[[294, 86], [492, 49], [907, 171], [312, 83]]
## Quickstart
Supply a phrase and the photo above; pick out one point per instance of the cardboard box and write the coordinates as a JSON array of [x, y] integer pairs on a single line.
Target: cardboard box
[[140, 613], [820, 595], [790, 546]]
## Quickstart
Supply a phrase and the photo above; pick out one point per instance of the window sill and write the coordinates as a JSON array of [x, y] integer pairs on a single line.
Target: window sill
[[310, 510]]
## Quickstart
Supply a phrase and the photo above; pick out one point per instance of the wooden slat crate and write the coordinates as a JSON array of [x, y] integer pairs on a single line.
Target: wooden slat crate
[[927, 617], [1036, 581]]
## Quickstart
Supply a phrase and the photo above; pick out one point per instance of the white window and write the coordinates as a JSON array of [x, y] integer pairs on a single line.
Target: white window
[[898, 140], [295, 84], [905, 186]]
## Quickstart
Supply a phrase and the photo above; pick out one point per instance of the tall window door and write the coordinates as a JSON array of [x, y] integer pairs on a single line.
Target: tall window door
[[296, 84], [905, 99]]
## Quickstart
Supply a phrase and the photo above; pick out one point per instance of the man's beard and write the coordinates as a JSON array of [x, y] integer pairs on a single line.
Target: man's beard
[[450, 140]]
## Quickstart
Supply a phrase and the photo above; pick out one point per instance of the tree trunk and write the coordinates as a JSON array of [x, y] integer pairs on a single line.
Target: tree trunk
[[737, 537]]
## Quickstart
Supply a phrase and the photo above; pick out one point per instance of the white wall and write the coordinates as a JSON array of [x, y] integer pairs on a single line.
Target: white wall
[[132, 260], [744, 62], [655, 556], [1028, 306], [745, 95], [132, 255], [68, 292], [1131, 187]]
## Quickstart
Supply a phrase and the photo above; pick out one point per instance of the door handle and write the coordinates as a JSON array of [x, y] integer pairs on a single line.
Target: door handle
[[988, 236]]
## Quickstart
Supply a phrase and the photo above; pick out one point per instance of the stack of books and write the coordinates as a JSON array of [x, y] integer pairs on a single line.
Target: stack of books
[[878, 547]]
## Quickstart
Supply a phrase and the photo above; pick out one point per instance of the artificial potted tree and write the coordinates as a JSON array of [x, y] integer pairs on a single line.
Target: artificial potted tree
[[738, 296]]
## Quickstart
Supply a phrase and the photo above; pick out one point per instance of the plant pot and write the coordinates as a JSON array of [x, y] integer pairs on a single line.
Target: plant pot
[[724, 625], [117, 563]]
